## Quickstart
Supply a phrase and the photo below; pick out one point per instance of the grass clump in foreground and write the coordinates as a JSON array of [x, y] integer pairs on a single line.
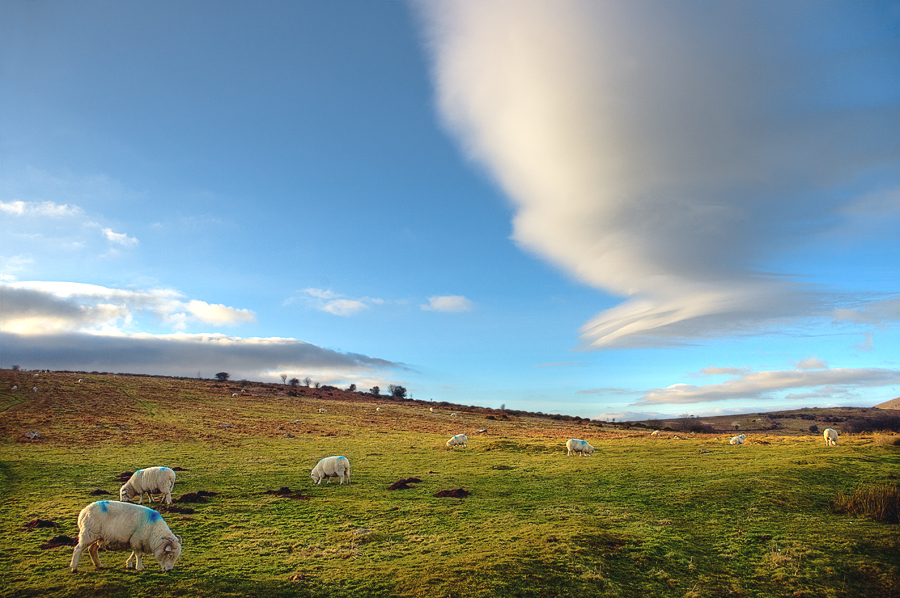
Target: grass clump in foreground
[[643, 516], [881, 503]]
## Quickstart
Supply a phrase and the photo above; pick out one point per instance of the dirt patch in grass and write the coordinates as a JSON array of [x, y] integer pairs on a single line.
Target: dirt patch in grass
[[194, 497], [285, 492], [179, 510], [458, 493], [179, 469], [124, 476], [58, 541], [99, 492], [403, 484], [36, 523]]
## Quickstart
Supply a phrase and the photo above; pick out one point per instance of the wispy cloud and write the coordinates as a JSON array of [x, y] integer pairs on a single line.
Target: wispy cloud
[[823, 384], [668, 153], [334, 303], [448, 303], [38, 307]]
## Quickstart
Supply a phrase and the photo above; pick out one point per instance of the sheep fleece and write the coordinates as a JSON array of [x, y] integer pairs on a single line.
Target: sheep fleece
[[152, 479], [331, 467], [125, 526]]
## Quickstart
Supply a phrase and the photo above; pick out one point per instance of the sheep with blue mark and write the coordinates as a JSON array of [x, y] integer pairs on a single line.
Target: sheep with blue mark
[[125, 526], [458, 440], [739, 439], [574, 445], [152, 479], [331, 467]]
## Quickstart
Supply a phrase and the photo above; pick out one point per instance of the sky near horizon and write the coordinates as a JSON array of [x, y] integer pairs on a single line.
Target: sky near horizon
[[607, 209]]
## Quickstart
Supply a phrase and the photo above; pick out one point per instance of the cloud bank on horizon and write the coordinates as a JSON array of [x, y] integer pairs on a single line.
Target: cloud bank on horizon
[[668, 153], [75, 326]]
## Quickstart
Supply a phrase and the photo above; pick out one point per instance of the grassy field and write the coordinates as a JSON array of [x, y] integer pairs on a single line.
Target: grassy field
[[645, 516]]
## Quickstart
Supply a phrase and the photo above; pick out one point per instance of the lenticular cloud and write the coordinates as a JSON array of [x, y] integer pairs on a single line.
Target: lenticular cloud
[[669, 153]]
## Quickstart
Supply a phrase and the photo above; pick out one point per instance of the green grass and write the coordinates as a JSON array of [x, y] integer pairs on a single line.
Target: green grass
[[641, 517]]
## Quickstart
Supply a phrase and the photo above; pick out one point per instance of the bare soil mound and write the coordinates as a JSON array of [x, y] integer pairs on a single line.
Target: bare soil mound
[[36, 523], [458, 493], [58, 541], [403, 484]]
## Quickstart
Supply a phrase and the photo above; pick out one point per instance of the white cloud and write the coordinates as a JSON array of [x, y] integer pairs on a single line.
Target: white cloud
[[37, 307], [827, 383], [811, 363], [40, 209], [449, 303], [119, 238], [334, 303], [667, 153]]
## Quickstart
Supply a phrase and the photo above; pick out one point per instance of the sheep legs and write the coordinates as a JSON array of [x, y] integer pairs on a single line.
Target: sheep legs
[[136, 558], [92, 551]]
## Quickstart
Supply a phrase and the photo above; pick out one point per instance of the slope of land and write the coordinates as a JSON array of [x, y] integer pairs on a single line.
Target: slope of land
[[676, 514]]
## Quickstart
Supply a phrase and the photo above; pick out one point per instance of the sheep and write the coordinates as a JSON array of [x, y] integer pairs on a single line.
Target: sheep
[[654, 433], [573, 445], [739, 439], [452, 415], [34, 389], [323, 411], [16, 387], [458, 440], [331, 467], [431, 409], [152, 479], [378, 409], [831, 437], [124, 526], [234, 394], [80, 380]]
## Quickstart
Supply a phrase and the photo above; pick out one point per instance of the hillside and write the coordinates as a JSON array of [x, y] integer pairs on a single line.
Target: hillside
[[672, 515], [892, 404]]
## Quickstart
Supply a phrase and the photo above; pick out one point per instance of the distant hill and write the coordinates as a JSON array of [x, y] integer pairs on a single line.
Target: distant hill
[[892, 404]]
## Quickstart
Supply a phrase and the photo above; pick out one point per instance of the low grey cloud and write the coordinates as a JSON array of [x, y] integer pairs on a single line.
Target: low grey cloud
[[187, 355], [673, 153]]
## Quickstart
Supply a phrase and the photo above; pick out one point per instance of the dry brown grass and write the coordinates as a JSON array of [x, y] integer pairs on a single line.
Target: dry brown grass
[[881, 503]]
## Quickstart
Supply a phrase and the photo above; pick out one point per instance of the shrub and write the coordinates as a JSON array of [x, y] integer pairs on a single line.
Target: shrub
[[873, 424], [881, 503], [222, 376], [813, 428]]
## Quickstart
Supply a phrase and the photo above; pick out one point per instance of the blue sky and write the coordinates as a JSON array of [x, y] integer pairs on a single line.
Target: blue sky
[[604, 209]]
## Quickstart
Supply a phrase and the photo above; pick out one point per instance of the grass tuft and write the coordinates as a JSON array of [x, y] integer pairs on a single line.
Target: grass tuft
[[881, 503]]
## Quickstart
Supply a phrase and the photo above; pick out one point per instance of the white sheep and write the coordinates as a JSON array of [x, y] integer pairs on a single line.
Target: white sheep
[[15, 387], [124, 526], [452, 415], [574, 445], [152, 479], [234, 394], [739, 439], [654, 433], [80, 380], [331, 467], [378, 409], [831, 437], [323, 411], [431, 409], [458, 440], [34, 389]]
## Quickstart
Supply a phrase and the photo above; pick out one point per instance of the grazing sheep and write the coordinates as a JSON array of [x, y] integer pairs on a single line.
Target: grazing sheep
[[831, 437], [573, 445], [331, 467], [378, 409], [234, 394], [152, 479], [34, 389], [431, 409], [124, 526], [16, 387], [654, 433], [739, 439], [452, 415], [80, 380], [458, 440], [323, 411]]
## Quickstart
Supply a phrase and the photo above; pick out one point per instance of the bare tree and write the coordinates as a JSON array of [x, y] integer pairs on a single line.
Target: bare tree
[[284, 378], [307, 381]]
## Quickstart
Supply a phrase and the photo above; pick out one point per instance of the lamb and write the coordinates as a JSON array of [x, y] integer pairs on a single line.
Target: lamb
[[152, 479], [739, 439], [831, 437], [573, 445], [458, 440], [331, 467], [125, 526]]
